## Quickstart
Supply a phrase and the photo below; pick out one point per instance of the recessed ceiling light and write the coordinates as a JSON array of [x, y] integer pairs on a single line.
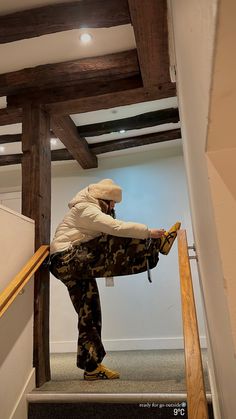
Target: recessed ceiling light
[[53, 141], [122, 131], [2, 149], [85, 38]]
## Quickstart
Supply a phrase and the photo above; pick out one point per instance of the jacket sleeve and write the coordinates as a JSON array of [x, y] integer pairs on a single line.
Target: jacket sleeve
[[92, 218]]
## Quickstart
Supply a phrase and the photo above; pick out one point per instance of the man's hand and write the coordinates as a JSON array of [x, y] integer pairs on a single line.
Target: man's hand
[[156, 234]]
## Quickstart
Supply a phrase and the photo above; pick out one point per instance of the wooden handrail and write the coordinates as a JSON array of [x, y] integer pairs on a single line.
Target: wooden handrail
[[9, 294], [196, 395]]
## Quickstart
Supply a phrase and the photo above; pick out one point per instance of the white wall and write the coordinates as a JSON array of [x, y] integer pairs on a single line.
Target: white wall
[[194, 30], [16, 325], [221, 147], [136, 314], [221, 170], [11, 200]]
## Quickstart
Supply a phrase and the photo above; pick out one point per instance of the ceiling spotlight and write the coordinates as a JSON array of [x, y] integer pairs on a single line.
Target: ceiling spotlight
[[85, 38], [122, 131], [2, 149]]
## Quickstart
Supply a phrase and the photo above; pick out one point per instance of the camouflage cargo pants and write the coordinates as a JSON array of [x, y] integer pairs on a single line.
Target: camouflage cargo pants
[[78, 266]]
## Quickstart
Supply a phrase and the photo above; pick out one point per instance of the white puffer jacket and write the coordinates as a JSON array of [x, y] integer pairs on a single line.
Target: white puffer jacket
[[85, 221]]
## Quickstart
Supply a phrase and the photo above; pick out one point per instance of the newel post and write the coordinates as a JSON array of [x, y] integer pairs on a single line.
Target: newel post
[[36, 204]]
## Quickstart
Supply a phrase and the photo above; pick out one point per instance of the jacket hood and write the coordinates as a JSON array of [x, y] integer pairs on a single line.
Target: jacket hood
[[83, 197], [105, 189]]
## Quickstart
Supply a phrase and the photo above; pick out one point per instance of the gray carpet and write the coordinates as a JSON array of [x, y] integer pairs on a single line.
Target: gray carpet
[[159, 371]]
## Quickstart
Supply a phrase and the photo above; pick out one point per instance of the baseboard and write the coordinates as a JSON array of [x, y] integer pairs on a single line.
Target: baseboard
[[128, 344], [20, 409]]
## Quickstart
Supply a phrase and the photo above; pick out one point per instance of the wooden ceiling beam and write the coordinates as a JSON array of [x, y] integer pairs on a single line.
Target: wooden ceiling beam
[[145, 120], [149, 20], [10, 138], [149, 119], [49, 76], [83, 89], [62, 17], [65, 129], [61, 155], [9, 159], [121, 144], [111, 100], [10, 116], [56, 155], [104, 147]]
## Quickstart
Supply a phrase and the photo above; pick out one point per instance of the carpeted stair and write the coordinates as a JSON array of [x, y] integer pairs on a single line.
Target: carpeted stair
[[152, 384]]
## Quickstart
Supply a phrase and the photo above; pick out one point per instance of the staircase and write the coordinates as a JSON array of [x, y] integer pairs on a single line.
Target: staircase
[[157, 388], [125, 398]]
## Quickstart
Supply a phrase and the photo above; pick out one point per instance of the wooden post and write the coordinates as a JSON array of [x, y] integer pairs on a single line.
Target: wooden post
[[36, 204]]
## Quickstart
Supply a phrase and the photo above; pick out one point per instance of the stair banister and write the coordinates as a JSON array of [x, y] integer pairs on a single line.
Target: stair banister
[[9, 294], [196, 395]]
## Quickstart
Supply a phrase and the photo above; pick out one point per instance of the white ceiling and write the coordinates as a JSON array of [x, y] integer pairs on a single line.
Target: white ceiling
[[65, 46], [124, 111]]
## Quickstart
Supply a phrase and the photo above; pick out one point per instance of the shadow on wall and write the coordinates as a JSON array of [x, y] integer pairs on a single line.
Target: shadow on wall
[[224, 163]]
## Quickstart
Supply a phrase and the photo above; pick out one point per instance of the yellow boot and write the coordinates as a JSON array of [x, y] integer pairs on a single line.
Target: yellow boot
[[168, 239], [101, 373]]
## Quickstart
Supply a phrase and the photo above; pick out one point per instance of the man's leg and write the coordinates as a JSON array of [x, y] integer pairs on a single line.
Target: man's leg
[[90, 348], [115, 256], [85, 298]]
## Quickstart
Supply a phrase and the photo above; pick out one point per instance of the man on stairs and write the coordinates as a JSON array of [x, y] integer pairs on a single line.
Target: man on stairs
[[90, 243]]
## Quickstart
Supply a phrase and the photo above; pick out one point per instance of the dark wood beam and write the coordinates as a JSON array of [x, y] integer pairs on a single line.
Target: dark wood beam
[[62, 17], [14, 138], [83, 89], [149, 119], [111, 100], [56, 155], [8, 159], [61, 155], [105, 146], [10, 138], [10, 116], [118, 65], [36, 204], [65, 129], [149, 19], [121, 144]]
